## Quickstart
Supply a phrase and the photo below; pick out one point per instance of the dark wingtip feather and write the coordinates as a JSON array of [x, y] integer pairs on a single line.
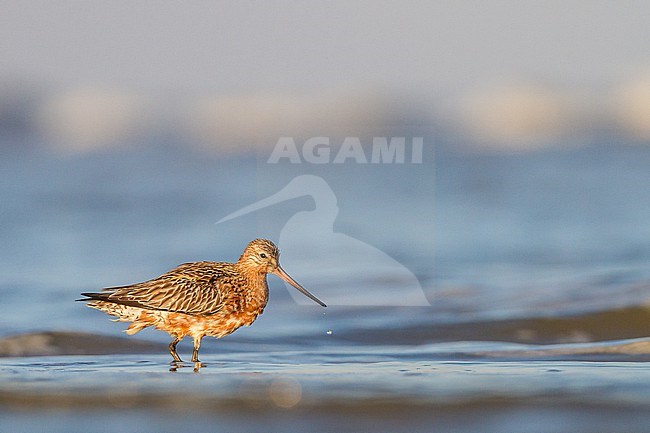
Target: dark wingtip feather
[[89, 296], [105, 297]]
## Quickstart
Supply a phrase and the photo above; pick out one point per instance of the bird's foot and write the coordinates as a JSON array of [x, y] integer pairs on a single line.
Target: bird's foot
[[176, 364], [195, 365]]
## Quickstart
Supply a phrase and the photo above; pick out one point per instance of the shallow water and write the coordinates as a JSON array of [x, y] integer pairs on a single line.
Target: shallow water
[[388, 390], [535, 267]]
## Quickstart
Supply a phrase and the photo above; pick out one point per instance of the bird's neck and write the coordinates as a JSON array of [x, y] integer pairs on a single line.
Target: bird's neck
[[256, 279]]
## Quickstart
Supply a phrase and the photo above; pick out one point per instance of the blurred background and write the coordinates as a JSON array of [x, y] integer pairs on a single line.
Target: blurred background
[[128, 129], [220, 77]]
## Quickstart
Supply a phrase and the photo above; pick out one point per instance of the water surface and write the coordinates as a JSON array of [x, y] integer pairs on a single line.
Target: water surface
[[535, 267]]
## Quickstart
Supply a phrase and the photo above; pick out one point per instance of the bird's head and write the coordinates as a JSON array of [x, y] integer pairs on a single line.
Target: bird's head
[[263, 257]]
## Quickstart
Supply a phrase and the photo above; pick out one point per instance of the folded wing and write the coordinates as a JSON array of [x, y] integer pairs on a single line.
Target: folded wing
[[191, 288]]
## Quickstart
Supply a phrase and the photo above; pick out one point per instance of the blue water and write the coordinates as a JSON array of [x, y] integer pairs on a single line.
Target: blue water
[[496, 243]]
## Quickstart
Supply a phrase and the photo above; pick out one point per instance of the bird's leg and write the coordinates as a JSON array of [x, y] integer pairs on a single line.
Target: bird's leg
[[197, 346], [172, 349]]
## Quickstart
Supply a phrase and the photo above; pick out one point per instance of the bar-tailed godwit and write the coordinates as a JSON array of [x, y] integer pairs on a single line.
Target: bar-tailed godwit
[[200, 298]]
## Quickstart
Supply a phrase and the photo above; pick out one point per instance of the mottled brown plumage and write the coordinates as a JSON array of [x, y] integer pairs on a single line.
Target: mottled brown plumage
[[200, 298]]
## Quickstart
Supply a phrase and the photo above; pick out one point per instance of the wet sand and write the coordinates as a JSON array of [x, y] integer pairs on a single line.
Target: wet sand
[[461, 386]]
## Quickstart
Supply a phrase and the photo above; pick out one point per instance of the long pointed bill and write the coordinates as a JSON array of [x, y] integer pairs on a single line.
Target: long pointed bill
[[280, 273]]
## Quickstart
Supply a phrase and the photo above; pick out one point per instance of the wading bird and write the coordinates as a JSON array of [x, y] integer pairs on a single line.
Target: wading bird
[[200, 298]]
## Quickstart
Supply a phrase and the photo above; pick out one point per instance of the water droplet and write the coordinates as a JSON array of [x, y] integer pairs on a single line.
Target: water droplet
[[329, 332]]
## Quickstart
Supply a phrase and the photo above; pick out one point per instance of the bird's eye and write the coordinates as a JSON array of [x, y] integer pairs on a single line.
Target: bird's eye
[[263, 255]]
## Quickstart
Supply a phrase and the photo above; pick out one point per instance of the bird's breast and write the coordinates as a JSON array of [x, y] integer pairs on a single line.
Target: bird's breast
[[243, 298]]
